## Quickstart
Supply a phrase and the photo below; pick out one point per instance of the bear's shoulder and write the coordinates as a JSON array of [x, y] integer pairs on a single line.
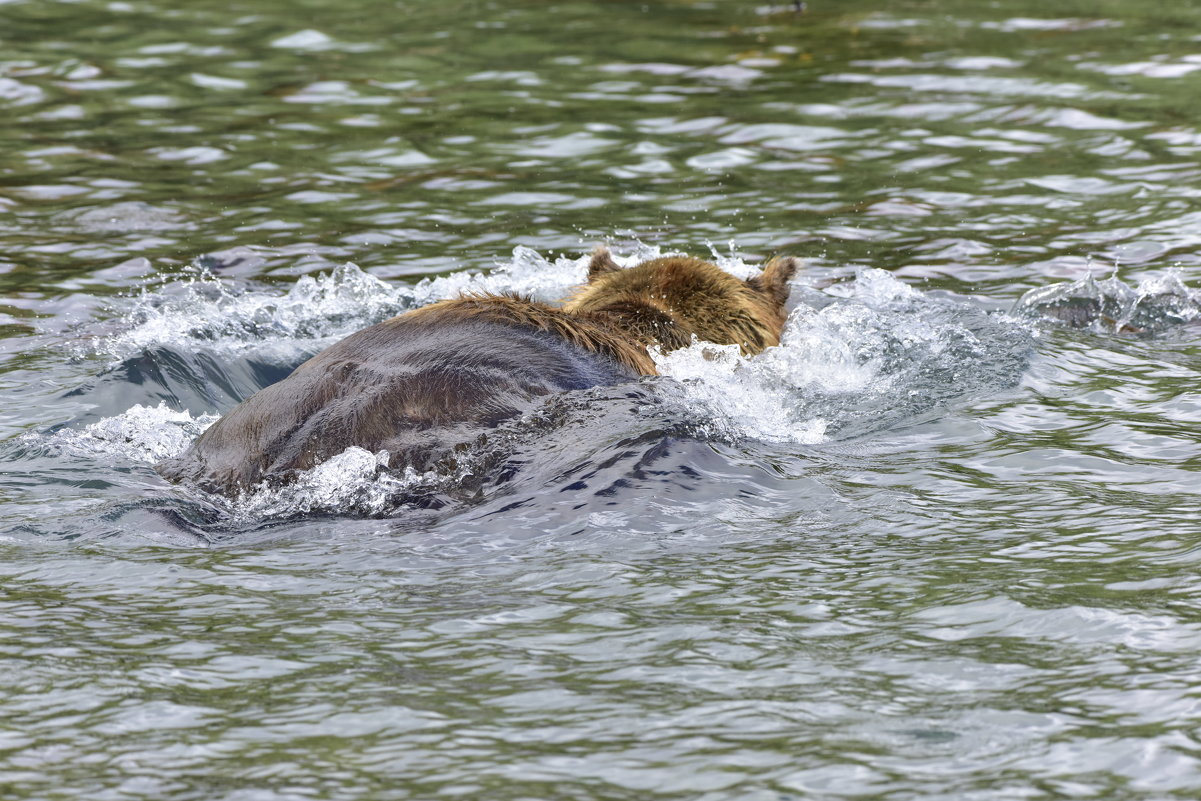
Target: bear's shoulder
[[586, 331]]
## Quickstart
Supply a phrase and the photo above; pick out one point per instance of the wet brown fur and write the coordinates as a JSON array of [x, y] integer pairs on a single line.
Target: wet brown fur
[[419, 383], [670, 300], [593, 333]]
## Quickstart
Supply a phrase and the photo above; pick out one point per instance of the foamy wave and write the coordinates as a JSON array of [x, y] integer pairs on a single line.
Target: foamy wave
[[867, 352], [203, 311], [355, 481], [141, 434]]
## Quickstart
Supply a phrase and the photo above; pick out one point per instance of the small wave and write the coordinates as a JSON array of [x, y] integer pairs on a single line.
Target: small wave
[[203, 311], [1155, 306], [355, 481], [140, 434], [858, 357]]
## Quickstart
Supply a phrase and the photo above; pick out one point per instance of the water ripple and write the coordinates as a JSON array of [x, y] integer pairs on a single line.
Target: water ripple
[[978, 581]]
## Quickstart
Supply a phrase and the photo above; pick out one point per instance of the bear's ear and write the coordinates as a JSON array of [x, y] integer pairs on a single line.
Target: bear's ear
[[774, 280], [602, 264]]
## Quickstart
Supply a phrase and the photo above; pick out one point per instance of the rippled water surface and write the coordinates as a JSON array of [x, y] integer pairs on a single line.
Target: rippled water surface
[[942, 543]]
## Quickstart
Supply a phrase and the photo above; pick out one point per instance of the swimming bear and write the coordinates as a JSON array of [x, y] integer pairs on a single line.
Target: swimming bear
[[420, 383]]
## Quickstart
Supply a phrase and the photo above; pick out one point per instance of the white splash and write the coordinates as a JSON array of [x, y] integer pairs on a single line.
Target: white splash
[[355, 481], [744, 394], [140, 434], [733, 262], [867, 351], [204, 311]]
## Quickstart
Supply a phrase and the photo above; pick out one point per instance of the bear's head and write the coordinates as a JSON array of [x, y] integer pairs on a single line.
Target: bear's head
[[669, 300]]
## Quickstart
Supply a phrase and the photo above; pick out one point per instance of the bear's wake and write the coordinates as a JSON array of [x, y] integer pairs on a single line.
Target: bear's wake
[[856, 358]]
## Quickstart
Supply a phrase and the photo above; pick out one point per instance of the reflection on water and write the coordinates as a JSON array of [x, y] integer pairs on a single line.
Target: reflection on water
[[926, 549]]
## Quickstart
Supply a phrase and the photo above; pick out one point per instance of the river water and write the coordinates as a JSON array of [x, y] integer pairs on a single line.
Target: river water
[[943, 543]]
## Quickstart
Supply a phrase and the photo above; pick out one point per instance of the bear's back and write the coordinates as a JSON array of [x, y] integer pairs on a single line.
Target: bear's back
[[416, 386]]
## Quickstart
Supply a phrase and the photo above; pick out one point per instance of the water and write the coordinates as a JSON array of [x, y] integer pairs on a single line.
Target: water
[[942, 543]]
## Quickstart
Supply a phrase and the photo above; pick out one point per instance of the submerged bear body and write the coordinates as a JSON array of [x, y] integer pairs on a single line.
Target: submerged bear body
[[419, 384]]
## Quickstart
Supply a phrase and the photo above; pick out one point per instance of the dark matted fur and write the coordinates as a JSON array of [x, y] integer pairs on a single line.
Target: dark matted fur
[[418, 384]]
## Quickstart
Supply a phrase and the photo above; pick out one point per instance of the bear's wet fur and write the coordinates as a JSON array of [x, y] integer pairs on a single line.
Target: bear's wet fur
[[420, 383]]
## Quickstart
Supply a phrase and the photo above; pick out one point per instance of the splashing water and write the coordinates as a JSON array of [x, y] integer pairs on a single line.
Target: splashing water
[[854, 358], [140, 434], [1156, 305], [355, 481], [866, 354], [204, 311]]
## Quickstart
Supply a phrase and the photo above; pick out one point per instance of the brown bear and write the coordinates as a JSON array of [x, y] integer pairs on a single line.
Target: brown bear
[[420, 383]]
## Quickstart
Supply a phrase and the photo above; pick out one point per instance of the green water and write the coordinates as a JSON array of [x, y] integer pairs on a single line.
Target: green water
[[992, 599]]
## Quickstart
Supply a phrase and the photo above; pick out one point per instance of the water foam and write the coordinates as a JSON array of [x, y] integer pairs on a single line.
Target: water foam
[[355, 481], [852, 359], [140, 434]]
